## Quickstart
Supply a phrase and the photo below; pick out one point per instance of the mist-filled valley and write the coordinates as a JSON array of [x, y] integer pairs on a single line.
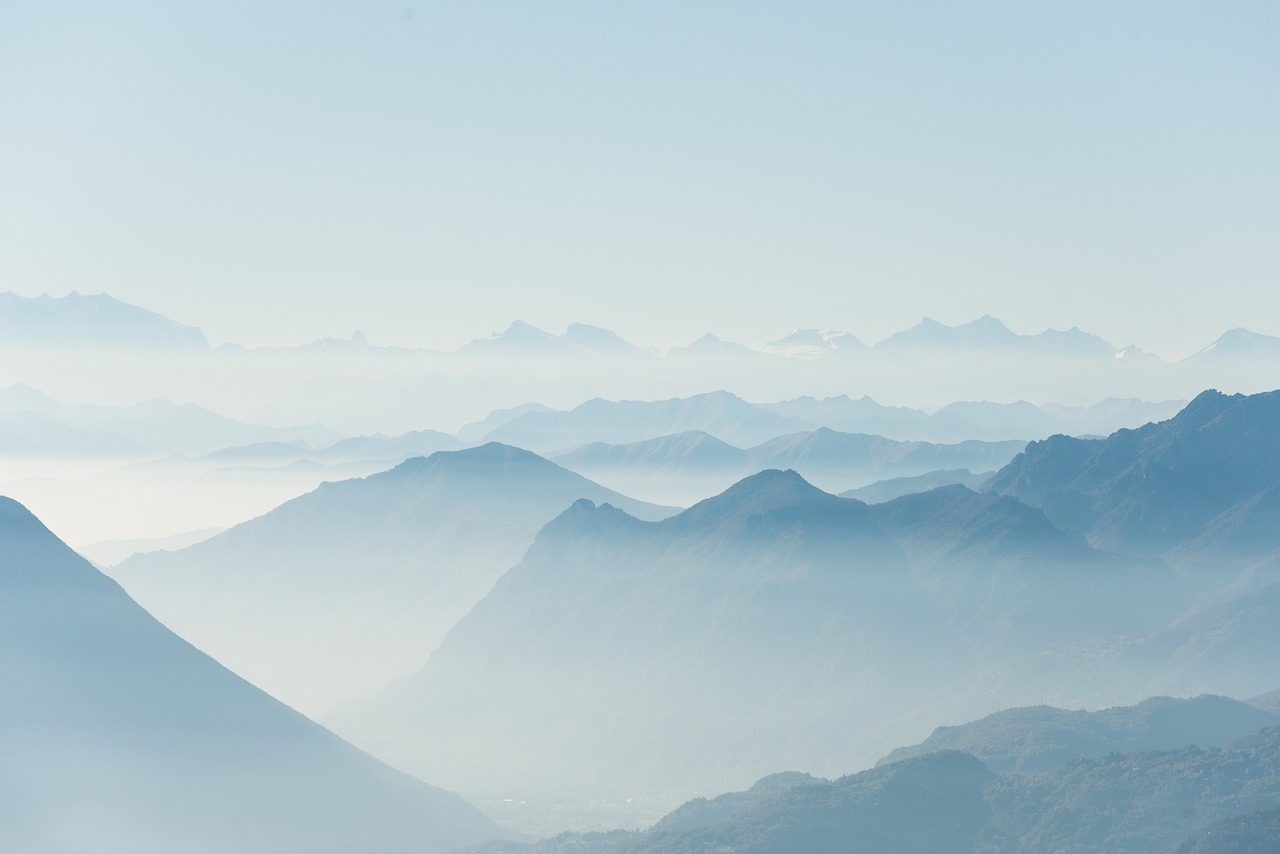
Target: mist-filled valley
[[602, 615], [432, 427]]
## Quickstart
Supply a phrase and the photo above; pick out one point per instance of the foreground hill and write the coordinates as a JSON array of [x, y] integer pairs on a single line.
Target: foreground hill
[[119, 737], [621, 653], [1037, 739], [1219, 800], [337, 592]]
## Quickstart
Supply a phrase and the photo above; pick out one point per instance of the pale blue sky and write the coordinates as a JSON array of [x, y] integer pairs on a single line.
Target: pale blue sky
[[427, 171]]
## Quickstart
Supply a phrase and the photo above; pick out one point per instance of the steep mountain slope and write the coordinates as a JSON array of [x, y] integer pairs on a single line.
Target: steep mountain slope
[[1038, 739], [619, 644], [118, 736], [1157, 487], [1012, 581], [1226, 642], [337, 592]]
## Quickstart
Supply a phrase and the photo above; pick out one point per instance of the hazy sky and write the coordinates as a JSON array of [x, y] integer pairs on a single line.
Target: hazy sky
[[427, 171]]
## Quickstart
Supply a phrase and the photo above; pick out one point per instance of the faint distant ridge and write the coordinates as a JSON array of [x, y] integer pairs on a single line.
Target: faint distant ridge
[[989, 334], [719, 413], [522, 339], [816, 343], [89, 321], [1239, 343]]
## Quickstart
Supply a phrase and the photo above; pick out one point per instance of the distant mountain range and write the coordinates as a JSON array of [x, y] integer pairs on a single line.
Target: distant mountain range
[[119, 737], [689, 466], [99, 320], [34, 424], [721, 414], [733, 420], [336, 593], [89, 320]]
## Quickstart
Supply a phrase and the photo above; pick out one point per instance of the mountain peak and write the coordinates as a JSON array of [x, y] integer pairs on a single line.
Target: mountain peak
[[1242, 343], [488, 455], [15, 517], [597, 338], [764, 492]]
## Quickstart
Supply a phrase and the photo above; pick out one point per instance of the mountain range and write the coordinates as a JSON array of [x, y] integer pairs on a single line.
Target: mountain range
[[687, 467], [623, 644], [337, 592], [731, 419], [119, 737], [79, 321], [1043, 739], [32, 423], [99, 320], [1203, 483]]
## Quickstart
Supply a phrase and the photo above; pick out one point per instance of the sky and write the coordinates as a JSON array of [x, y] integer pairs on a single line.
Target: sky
[[429, 171]]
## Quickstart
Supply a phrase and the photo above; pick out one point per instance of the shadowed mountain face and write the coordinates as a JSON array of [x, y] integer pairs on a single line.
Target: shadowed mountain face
[[338, 592], [1208, 472], [621, 653], [1038, 739], [119, 737]]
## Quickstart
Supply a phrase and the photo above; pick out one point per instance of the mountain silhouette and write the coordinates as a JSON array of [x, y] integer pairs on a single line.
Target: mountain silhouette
[[118, 736], [339, 591]]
